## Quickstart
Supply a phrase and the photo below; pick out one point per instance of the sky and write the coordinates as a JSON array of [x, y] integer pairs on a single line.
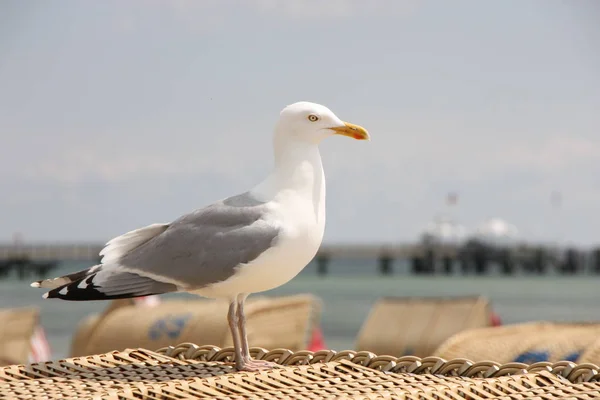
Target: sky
[[116, 114]]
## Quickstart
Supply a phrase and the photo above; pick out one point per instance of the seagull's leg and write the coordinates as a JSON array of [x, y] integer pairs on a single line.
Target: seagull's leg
[[232, 319], [251, 365], [241, 298]]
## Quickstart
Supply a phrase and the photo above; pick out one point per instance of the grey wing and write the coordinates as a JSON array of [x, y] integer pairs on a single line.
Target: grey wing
[[198, 249], [206, 246]]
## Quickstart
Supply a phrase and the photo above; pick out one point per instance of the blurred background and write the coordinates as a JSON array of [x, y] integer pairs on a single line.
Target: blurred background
[[482, 177]]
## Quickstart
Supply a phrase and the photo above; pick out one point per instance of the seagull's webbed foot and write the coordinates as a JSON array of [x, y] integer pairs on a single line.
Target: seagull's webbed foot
[[251, 365]]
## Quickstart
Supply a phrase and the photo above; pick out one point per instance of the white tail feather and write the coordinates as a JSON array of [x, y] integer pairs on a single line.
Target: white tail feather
[[51, 283], [121, 245]]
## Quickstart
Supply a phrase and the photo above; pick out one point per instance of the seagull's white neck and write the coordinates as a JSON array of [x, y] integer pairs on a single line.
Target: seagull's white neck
[[298, 168]]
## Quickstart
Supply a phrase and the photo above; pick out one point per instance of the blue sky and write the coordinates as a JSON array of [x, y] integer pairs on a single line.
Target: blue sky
[[116, 114]]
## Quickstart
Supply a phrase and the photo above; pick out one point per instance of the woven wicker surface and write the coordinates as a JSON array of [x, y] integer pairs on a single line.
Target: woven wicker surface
[[188, 371]]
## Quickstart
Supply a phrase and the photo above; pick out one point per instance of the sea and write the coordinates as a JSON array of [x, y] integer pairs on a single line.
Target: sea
[[348, 292]]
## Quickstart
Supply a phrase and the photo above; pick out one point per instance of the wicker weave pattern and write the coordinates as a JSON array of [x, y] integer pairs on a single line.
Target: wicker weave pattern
[[188, 371], [406, 364]]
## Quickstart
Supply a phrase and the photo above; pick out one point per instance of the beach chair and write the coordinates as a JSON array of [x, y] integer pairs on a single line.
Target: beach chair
[[21, 338], [272, 322], [527, 343], [416, 326], [591, 354]]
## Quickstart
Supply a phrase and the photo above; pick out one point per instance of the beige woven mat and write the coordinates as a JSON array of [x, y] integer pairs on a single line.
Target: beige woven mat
[[191, 372]]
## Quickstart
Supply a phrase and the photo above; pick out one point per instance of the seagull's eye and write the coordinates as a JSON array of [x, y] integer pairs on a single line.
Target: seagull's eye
[[313, 118]]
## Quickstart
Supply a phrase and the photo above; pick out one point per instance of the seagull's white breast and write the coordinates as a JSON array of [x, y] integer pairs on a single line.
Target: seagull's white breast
[[298, 209]]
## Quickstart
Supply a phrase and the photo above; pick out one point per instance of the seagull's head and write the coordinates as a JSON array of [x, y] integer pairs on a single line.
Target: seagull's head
[[313, 122]]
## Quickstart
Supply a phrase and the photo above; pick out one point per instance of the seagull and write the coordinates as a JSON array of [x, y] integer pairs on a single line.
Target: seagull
[[247, 243]]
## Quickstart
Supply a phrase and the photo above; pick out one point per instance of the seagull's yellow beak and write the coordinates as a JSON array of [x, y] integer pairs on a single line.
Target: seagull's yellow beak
[[351, 130]]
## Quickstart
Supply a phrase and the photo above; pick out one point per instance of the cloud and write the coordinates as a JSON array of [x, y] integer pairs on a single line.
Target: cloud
[[78, 165], [209, 14], [434, 154], [125, 155], [554, 154], [81, 164], [334, 8]]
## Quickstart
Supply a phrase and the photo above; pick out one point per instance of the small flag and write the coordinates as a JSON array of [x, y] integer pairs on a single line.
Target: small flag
[[317, 341], [147, 301], [40, 348]]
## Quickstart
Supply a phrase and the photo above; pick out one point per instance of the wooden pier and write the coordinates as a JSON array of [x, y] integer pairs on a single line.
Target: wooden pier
[[90, 251], [52, 251], [471, 258]]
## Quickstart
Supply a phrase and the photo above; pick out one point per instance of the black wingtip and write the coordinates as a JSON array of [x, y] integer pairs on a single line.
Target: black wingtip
[[73, 292]]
